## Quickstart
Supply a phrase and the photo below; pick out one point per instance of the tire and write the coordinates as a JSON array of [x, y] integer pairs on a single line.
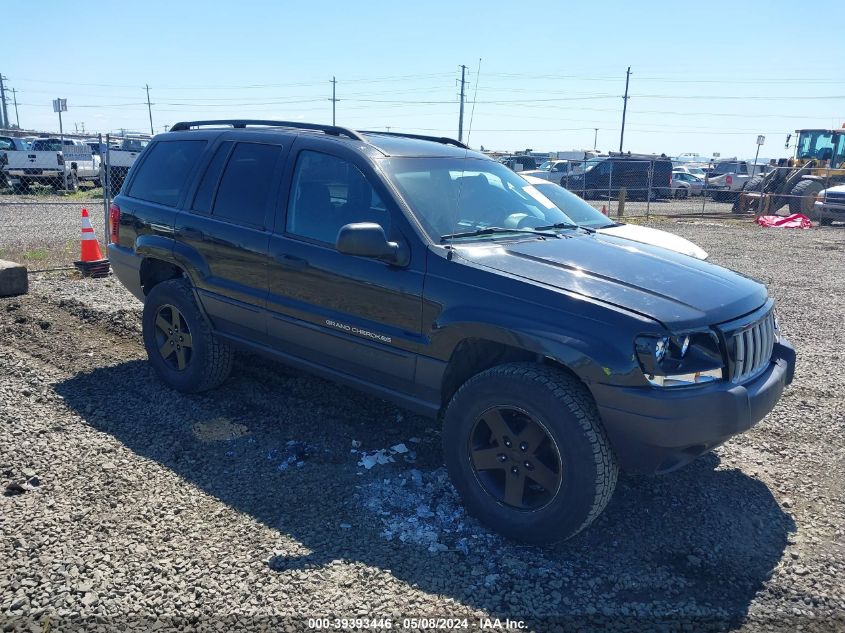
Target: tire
[[802, 197], [205, 361], [559, 406], [754, 184], [681, 193]]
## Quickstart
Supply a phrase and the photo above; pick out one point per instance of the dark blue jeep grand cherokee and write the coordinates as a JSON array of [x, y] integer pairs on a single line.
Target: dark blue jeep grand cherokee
[[430, 275]]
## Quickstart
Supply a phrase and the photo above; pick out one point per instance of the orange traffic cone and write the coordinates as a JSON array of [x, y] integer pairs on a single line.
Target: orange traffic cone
[[91, 262], [90, 247]]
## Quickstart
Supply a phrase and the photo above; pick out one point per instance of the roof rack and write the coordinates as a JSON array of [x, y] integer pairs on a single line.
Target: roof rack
[[437, 139], [333, 130]]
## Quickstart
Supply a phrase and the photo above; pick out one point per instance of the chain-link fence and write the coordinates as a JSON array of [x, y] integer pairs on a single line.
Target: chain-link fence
[[53, 169], [623, 185]]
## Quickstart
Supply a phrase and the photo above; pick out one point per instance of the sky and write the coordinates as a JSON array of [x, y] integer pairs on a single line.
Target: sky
[[706, 77]]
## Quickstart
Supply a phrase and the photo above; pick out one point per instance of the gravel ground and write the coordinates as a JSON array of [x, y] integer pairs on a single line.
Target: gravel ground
[[280, 496]]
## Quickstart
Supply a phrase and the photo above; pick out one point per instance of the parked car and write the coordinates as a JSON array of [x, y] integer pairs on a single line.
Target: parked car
[[555, 170], [582, 214], [520, 162], [122, 157], [688, 169], [830, 204], [643, 177], [686, 185], [9, 144], [727, 178], [415, 269], [54, 162]]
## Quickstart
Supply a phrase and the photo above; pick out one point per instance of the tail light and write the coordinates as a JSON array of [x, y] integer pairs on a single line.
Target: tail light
[[729, 180], [114, 223], [60, 158]]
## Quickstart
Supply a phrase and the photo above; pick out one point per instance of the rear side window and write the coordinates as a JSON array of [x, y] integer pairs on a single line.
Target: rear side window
[[244, 190], [164, 173], [205, 194], [50, 145]]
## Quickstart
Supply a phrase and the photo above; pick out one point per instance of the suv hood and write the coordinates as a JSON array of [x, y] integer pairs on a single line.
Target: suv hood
[[679, 291]]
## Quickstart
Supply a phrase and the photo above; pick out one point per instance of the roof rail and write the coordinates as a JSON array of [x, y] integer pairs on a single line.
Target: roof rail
[[437, 139], [333, 130]]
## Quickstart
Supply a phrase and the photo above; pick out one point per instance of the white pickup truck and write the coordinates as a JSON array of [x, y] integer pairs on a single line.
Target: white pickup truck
[[48, 160], [728, 177], [556, 171], [121, 159]]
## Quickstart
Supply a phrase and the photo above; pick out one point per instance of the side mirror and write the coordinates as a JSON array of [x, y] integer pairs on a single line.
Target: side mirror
[[367, 239]]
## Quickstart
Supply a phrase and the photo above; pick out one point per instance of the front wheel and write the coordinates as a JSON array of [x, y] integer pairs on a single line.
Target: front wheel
[[802, 198], [182, 349], [526, 450]]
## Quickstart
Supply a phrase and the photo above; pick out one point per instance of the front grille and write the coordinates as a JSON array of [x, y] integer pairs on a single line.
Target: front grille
[[835, 196], [750, 348]]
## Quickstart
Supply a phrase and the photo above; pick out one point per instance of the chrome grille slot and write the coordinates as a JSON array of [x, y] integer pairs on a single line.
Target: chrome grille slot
[[751, 348]]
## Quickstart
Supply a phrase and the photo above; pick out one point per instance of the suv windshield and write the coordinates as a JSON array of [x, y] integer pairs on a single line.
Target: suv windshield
[[593, 162], [574, 207], [134, 144], [463, 195]]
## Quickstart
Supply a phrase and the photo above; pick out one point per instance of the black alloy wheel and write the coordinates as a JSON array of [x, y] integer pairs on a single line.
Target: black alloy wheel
[[515, 459], [173, 337]]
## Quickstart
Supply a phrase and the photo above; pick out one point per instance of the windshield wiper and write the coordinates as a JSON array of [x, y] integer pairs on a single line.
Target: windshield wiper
[[565, 225], [492, 230]]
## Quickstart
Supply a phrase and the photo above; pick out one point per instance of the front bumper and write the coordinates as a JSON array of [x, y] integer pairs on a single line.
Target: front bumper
[[655, 430], [832, 210], [34, 173]]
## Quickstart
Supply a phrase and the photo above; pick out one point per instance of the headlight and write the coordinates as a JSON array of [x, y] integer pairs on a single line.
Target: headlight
[[680, 360]]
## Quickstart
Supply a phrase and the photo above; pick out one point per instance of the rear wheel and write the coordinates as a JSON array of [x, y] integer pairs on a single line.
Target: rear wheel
[[525, 448], [803, 197], [681, 193], [180, 344]]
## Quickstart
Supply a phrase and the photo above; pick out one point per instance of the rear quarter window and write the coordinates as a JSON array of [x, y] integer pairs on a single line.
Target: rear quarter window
[[244, 190], [163, 175]]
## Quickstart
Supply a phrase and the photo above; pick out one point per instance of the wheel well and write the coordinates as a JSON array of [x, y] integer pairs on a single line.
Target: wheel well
[[154, 271], [473, 355]]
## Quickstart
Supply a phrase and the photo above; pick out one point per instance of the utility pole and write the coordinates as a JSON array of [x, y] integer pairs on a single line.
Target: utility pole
[[4, 123], [334, 98], [624, 108], [595, 137], [15, 99], [461, 116], [150, 110]]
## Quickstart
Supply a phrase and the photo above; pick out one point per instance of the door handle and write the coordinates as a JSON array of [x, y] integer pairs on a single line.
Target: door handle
[[191, 234], [292, 262]]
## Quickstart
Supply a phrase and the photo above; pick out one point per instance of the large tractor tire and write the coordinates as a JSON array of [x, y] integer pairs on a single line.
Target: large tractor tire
[[752, 184], [802, 197]]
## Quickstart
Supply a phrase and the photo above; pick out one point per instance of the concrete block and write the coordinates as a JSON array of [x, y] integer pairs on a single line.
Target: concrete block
[[13, 279]]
